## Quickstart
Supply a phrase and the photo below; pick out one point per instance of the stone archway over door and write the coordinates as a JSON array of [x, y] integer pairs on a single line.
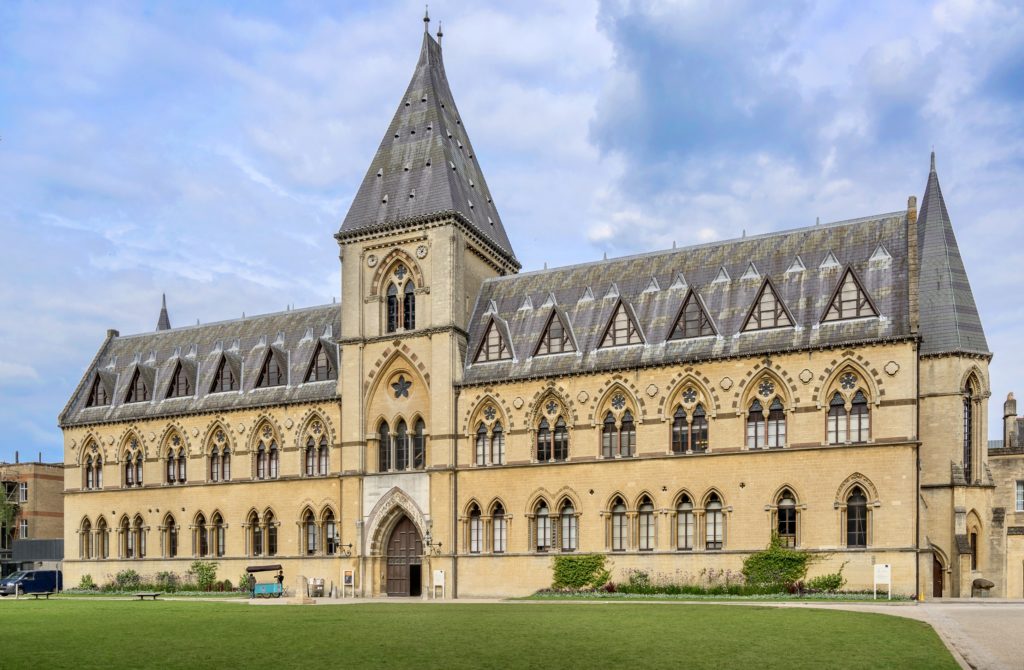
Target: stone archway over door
[[405, 558]]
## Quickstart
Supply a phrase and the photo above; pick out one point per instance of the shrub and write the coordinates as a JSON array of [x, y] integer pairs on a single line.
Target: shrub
[[830, 582], [127, 580], [86, 582], [227, 585], [167, 581], [777, 565], [204, 573], [579, 571]]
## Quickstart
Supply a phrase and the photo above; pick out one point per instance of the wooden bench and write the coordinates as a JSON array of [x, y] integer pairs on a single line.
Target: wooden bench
[[44, 594], [143, 596]]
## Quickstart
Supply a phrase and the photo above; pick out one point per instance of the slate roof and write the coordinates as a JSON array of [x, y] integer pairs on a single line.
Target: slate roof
[[949, 316], [653, 286], [290, 336], [425, 166]]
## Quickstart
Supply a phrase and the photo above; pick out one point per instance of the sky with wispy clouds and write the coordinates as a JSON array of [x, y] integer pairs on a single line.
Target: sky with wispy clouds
[[210, 150]]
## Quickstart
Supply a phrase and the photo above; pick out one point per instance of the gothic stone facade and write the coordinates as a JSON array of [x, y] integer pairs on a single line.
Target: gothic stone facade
[[672, 410]]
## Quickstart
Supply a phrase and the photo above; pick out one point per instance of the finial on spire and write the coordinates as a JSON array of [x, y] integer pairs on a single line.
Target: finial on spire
[[933, 159], [426, 19], [439, 33]]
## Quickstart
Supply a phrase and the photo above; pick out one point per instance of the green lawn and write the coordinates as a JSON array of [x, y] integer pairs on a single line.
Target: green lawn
[[110, 634]]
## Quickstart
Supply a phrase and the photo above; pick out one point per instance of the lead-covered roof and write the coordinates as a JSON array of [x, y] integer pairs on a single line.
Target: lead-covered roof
[[244, 344], [654, 286]]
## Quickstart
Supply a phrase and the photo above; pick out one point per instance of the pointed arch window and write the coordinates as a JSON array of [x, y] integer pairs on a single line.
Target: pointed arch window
[[181, 466], [476, 530], [768, 311], [200, 538], [851, 426], [419, 445], [275, 461], [215, 466], [271, 374], [271, 528], [90, 482], [766, 428], [320, 366], [714, 523], [392, 308], [620, 526], [555, 339], [331, 538], [137, 389], [621, 329], [646, 525], [172, 469], [849, 301], [127, 539], [224, 379], [692, 320], [481, 444], [323, 457], [401, 446], [493, 347], [138, 469], [170, 538], [618, 438], [970, 402], [684, 523], [689, 430], [180, 386], [219, 535], [255, 535], [786, 518], [570, 527], [409, 306], [310, 457], [856, 518], [309, 533], [384, 447], [102, 539], [98, 395], [561, 443], [85, 545], [261, 462], [500, 529], [497, 444], [543, 441], [542, 533]]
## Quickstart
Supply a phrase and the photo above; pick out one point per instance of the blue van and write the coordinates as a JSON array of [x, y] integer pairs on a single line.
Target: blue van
[[32, 581]]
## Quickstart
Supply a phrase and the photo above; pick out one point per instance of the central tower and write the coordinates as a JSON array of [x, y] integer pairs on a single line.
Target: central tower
[[420, 237]]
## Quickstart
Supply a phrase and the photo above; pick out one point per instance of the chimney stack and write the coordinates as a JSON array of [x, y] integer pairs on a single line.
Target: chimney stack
[[1010, 422]]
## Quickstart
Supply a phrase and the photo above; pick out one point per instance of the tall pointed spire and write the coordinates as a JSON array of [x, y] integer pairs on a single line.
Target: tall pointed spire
[[949, 315], [425, 167], [164, 322]]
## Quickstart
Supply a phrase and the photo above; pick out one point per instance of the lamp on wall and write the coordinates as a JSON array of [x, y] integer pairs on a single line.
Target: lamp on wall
[[345, 550], [432, 548]]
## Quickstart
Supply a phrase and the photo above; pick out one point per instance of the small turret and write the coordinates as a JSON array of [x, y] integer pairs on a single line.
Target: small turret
[[164, 322], [1010, 422]]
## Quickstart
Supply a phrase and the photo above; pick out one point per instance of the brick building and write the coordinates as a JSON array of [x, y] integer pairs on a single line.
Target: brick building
[[36, 492]]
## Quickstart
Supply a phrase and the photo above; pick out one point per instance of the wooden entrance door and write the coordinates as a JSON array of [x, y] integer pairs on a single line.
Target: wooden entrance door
[[937, 577], [405, 554]]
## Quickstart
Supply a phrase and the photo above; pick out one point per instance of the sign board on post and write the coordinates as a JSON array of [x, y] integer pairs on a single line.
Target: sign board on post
[[883, 575], [347, 583], [438, 583]]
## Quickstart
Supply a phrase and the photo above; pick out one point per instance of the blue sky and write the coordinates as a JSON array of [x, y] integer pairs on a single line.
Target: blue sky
[[210, 151]]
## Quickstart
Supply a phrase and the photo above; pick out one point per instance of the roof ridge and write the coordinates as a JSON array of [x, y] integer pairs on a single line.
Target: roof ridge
[[208, 324], [702, 245]]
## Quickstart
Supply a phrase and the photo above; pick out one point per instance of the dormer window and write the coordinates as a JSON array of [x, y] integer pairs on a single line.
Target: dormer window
[[493, 346], [692, 320], [271, 373], [224, 379], [98, 395], [180, 386], [555, 339], [320, 366], [621, 329], [137, 389], [768, 311], [849, 301]]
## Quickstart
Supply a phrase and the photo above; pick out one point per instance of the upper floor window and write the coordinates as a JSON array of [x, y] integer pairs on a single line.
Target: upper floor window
[[219, 535], [224, 379], [689, 430], [570, 527], [137, 389], [493, 347], [316, 457], [23, 492], [542, 525], [768, 311], [848, 425], [555, 338], [133, 468], [618, 438], [271, 374], [621, 329], [1020, 496], [849, 301], [320, 366], [268, 458], [310, 532], [684, 523], [401, 303], [692, 320], [971, 400], [766, 427], [23, 529], [180, 386], [645, 525], [98, 395], [476, 530], [620, 526], [399, 450], [552, 445], [331, 538]]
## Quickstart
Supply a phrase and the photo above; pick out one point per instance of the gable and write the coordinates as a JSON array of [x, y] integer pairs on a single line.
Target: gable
[[493, 347], [692, 320], [768, 311], [849, 300], [621, 329], [556, 337]]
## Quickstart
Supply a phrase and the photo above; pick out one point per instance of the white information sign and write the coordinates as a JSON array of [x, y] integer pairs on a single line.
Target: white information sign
[[883, 575]]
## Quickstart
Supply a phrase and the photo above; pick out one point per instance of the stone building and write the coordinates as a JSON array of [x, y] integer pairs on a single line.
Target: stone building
[[34, 493], [672, 409]]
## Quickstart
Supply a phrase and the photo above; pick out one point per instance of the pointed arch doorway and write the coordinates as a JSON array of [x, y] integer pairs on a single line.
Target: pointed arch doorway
[[405, 559]]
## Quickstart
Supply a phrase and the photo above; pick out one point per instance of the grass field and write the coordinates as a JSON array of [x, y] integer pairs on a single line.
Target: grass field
[[113, 634]]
